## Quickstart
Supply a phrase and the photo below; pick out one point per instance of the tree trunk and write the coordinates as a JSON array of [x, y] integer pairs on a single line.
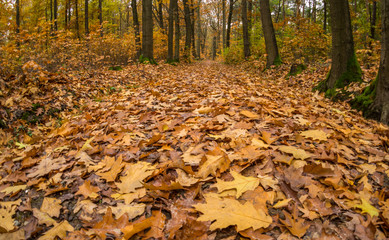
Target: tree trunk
[[66, 14], [136, 27], [160, 16], [188, 30], [283, 10], [170, 40], [101, 16], [250, 17], [147, 30], [77, 24], [224, 23], [228, 37], [314, 11], [373, 20], [17, 3], [345, 68], [246, 38], [381, 101], [198, 30], [86, 18], [55, 15], [325, 16], [177, 34], [192, 8], [273, 57]]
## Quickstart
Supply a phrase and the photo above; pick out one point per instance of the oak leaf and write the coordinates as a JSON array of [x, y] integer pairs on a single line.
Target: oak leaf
[[59, 230], [366, 207], [227, 212], [249, 114], [134, 176], [113, 172], [45, 166], [240, 183], [213, 164], [43, 218], [51, 206], [7, 209], [87, 190], [296, 225], [297, 153], [315, 135], [13, 189]]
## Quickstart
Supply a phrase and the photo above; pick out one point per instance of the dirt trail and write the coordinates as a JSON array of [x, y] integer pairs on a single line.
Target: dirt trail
[[166, 144]]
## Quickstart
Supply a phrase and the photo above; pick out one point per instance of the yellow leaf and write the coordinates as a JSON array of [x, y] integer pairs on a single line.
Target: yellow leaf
[[282, 203], [267, 181], [240, 183], [59, 230], [51, 206], [7, 209], [366, 207], [43, 218], [212, 164], [255, 142], [13, 189], [249, 114], [315, 135], [87, 190], [227, 212], [297, 153], [113, 172], [132, 211], [134, 176]]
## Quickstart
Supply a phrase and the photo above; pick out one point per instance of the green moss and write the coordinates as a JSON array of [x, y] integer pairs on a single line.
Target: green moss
[[116, 68], [353, 73], [172, 62], [363, 101], [296, 69], [145, 60], [277, 61]]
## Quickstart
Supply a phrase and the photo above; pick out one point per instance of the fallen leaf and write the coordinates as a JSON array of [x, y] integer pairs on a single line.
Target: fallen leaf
[[88, 191], [51, 206], [315, 135], [59, 230], [297, 153], [213, 164], [43, 218], [240, 183], [134, 176], [249, 114], [227, 212]]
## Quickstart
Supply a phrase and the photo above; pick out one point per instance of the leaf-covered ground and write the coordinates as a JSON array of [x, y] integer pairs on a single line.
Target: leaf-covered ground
[[198, 151]]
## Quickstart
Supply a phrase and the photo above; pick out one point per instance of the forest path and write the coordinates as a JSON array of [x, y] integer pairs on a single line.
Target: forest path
[[184, 130]]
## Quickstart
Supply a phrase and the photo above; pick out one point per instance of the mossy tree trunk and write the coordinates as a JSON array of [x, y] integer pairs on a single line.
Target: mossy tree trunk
[[273, 57], [345, 68], [381, 100]]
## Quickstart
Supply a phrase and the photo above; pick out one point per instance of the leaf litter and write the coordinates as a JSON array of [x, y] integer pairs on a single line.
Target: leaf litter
[[198, 151]]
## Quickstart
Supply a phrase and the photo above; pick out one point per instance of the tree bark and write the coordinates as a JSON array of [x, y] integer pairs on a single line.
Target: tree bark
[[77, 20], [224, 23], [170, 40], [135, 20], [325, 16], [101, 16], [246, 38], [273, 57], [177, 34], [192, 8], [86, 18], [160, 16], [147, 29], [373, 20], [188, 30], [229, 20], [344, 68], [381, 101], [198, 30], [55, 15], [17, 3]]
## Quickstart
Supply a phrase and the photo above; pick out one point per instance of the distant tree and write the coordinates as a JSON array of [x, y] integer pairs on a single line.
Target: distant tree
[[147, 30], [229, 20], [273, 57], [170, 44], [101, 16], [177, 34], [188, 28], [135, 20], [55, 15], [344, 68], [17, 6]]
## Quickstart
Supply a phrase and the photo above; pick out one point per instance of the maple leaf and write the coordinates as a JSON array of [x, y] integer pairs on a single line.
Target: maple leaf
[[51, 206], [212, 164], [240, 183], [315, 135], [87, 190], [297, 153], [227, 212], [134, 176], [59, 230]]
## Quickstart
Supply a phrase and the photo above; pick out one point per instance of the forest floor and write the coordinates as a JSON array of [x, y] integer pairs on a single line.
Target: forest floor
[[195, 151]]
